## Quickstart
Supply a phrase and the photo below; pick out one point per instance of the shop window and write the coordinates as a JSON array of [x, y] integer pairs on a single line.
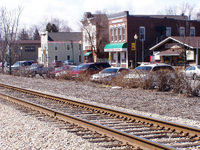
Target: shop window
[[182, 31], [142, 33], [168, 31], [111, 33], [123, 55], [113, 57], [30, 48], [192, 31], [119, 33]]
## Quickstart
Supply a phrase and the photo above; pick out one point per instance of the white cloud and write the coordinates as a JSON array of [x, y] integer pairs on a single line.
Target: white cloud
[[71, 10]]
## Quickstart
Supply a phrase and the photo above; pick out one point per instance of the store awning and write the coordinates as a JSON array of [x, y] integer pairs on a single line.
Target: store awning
[[115, 47], [87, 53]]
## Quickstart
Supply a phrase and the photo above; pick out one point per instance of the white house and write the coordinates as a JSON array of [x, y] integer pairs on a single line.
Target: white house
[[60, 46]]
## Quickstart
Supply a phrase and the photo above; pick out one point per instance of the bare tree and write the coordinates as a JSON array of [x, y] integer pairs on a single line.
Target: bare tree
[[95, 28], [61, 24], [184, 9], [9, 28], [23, 35]]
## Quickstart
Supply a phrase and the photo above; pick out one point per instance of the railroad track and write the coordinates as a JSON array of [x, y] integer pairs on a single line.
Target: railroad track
[[101, 124]]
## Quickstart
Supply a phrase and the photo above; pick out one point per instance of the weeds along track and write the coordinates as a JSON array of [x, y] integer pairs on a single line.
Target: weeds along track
[[113, 128]]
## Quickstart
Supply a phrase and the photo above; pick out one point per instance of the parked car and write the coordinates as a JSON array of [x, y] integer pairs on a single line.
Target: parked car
[[89, 68], [56, 63], [18, 64], [69, 62], [66, 70], [192, 72], [60, 69], [143, 72], [39, 69], [109, 73]]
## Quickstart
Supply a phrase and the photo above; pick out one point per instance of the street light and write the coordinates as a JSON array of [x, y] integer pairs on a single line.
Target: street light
[[135, 37]]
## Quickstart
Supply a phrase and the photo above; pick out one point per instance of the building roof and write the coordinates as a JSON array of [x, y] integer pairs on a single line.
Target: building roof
[[191, 42], [126, 13], [176, 17], [65, 36], [25, 42]]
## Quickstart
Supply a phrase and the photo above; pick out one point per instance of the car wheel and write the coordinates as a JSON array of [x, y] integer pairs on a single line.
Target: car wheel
[[33, 74], [194, 77]]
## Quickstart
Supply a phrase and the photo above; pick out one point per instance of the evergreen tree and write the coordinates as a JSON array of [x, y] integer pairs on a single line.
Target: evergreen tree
[[36, 35], [23, 35], [51, 28]]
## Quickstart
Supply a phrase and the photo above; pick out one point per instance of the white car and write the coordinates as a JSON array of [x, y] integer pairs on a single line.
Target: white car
[[143, 72], [109, 73], [192, 72]]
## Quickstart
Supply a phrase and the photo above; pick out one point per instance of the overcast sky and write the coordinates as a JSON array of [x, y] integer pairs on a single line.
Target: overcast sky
[[72, 10]]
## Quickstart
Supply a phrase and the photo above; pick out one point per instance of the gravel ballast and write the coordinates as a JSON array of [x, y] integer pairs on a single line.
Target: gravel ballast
[[162, 105]]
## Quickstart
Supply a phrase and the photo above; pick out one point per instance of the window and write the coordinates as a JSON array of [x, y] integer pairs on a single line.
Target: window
[[68, 46], [123, 32], [56, 46], [56, 57], [115, 34], [192, 31], [123, 55], [79, 47], [168, 31], [111, 33], [30, 48], [142, 33], [119, 33], [79, 58], [182, 31], [68, 57]]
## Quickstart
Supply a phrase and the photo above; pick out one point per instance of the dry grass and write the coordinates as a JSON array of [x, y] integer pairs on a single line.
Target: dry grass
[[163, 81]]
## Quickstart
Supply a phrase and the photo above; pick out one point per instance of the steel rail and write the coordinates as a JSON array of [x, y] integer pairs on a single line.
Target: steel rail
[[179, 128], [192, 131], [135, 141]]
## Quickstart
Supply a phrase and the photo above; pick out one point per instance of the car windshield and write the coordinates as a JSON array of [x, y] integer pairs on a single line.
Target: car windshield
[[82, 67], [67, 61], [17, 63], [198, 67], [60, 68], [110, 70], [143, 68]]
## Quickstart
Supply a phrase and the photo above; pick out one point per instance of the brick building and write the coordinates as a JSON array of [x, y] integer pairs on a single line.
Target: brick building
[[150, 29], [95, 37]]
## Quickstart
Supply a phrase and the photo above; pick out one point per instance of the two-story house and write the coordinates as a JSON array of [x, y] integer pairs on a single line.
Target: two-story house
[[61, 46]]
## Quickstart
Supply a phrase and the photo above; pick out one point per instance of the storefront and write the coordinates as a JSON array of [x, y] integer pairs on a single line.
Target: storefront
[[177, 51], [118, 56]]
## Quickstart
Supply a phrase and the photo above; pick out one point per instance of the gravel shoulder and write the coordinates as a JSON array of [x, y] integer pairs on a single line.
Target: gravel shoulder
[[163, 105]]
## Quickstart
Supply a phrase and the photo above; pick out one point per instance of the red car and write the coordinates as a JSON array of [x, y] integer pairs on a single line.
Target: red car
[[89, 68], [60, 69], [56, 63]]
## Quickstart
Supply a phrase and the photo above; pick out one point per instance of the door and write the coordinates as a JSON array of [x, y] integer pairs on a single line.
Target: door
[[118, 59]]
